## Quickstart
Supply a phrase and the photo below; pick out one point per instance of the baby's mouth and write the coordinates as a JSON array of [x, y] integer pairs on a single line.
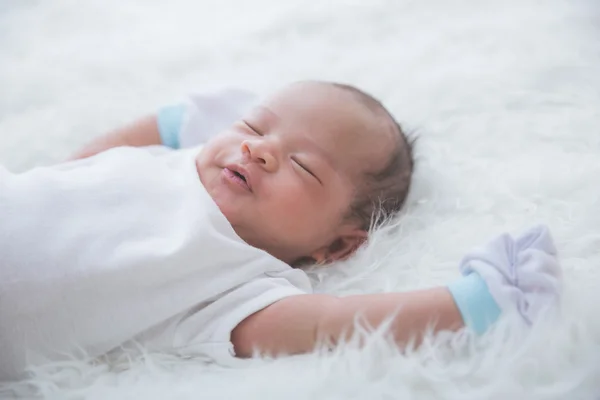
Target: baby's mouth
[[238, 177]]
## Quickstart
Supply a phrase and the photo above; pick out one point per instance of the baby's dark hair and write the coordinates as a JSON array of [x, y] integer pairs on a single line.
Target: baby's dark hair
[[381, 194]]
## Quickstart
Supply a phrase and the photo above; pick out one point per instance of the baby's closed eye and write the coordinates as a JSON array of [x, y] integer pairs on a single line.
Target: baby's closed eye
[[252, 128], [305, 168]]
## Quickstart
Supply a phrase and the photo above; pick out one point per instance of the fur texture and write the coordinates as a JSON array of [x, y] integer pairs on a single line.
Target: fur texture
[[505, 99]]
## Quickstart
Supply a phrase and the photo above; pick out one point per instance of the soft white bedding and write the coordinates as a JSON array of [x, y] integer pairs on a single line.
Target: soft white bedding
[[504, 96]]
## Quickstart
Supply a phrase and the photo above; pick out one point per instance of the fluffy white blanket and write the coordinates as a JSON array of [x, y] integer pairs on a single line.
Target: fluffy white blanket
[[505, 99]]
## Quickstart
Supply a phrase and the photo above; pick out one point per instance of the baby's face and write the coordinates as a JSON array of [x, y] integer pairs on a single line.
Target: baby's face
[[285, 175]]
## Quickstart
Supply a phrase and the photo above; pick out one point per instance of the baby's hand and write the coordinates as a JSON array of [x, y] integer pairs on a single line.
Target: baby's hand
[[522, 274]]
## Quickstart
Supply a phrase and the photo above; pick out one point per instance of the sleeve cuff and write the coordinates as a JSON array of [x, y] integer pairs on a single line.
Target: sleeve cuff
[[478, 308], [169, 125]]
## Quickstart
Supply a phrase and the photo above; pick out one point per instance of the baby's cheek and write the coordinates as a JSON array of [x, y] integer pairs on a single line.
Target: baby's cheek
[[301, 212]]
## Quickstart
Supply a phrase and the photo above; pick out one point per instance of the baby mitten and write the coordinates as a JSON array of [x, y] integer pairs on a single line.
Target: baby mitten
[[508, 274]]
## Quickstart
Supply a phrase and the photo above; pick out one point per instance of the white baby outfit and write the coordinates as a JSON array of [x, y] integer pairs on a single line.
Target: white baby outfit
[[125, 245]]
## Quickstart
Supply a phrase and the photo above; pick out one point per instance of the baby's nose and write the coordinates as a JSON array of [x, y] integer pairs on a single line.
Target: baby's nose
[[261, 154]]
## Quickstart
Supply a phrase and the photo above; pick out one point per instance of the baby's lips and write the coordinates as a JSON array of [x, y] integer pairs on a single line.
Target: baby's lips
[[242, 170]]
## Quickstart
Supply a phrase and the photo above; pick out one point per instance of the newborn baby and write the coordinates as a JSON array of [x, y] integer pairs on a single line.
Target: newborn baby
[[196, 251]]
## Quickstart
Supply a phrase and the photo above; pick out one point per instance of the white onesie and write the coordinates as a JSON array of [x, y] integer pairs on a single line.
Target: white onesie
[[124, 245]]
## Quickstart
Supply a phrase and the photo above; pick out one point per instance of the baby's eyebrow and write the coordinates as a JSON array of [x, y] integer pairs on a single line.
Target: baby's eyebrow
[[323, 155], [261, 110]]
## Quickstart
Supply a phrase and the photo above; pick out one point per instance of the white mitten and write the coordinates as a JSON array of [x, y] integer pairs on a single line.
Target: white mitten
[[522, 274]]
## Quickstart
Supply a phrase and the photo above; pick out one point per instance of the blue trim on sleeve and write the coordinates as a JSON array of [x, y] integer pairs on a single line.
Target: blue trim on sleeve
[[475, 303], [170, 120]]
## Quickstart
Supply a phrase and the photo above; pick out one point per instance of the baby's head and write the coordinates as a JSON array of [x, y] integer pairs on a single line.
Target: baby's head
[[306, 174]]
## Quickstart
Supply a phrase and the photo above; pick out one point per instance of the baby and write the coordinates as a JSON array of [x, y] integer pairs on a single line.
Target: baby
[[148, 235]]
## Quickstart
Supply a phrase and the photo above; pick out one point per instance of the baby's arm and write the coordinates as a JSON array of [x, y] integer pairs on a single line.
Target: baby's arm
[[296, 324], [143, 132], [205, 115], [520, 276]]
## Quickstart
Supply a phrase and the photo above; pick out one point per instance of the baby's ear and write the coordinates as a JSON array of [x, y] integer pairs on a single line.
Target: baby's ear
[[341, 248]]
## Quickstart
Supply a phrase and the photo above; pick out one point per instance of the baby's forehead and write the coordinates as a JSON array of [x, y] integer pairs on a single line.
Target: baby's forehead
[[328, 109], [353, 133]]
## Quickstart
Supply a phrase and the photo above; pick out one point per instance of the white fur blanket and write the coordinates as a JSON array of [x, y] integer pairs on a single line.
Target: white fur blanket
[[505, 99]]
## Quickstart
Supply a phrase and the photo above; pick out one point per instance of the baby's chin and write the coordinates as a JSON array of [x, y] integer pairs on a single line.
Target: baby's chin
[[236, 218], [251, 230], [236, 209], [239, 217], [230, 207], [207, 175]]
